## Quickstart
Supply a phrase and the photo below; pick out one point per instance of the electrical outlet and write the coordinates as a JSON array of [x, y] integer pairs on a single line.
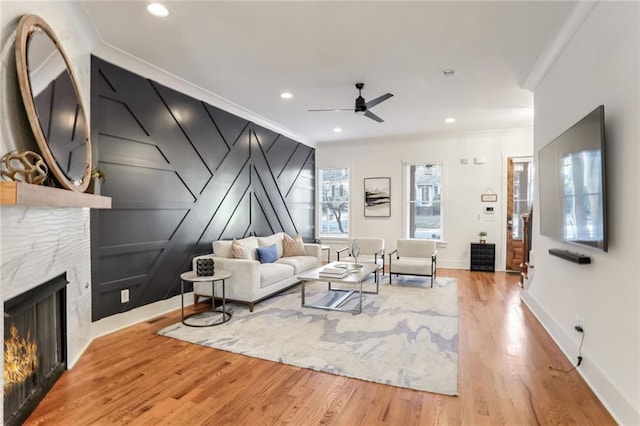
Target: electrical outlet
[[124, 295]]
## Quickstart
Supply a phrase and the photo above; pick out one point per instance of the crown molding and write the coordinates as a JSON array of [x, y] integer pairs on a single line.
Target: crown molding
[[552, 52], [136, 65]]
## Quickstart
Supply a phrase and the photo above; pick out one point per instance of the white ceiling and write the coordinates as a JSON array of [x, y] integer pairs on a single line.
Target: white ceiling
[[250, 52]]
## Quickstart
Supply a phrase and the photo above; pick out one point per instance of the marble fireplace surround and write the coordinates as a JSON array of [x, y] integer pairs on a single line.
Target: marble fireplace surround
[[40, 243]]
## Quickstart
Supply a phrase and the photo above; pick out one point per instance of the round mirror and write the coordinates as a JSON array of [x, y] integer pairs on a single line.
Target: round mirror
[[52, 101]]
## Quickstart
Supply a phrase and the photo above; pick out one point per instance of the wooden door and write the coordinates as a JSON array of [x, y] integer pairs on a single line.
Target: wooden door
[[519, 201]]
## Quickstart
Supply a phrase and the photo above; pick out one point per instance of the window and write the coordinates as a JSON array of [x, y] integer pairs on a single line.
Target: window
[[425, 195], [423, 187], [334, 201]]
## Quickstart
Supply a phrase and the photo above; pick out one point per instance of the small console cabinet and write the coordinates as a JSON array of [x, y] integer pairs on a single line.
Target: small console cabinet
[[483, 257]]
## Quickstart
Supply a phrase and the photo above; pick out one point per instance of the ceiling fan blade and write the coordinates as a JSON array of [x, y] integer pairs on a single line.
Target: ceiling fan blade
[[377, 100], [373, 116], [332, 109]]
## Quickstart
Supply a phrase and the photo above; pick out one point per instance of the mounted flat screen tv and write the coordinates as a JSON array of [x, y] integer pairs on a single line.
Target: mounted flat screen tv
[[573, 201]]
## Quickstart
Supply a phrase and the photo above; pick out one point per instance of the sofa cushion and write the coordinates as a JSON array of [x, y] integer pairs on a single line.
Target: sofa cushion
[[293, 247], [271, 273], [299, 263], [273, 239], [267, 254], [411, 266]]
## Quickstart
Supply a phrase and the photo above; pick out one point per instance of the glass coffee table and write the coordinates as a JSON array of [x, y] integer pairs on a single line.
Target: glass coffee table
[[356, 275]]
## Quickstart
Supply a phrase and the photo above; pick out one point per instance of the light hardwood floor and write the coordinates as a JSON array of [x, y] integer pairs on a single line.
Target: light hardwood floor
[[134, 376]]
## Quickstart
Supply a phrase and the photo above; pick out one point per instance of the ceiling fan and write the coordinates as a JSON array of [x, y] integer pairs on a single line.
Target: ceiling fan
[[362, 107]]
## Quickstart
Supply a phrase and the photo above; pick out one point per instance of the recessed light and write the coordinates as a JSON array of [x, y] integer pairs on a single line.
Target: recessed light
[[286, 95], [156, 9], [449, 72], [337, 129], [449, 120]]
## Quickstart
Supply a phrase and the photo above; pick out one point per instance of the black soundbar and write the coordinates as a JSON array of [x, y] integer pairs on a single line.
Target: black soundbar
[[570, 256]]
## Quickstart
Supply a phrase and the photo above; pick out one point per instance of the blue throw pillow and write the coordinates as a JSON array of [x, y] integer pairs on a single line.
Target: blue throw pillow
[[267, 254]]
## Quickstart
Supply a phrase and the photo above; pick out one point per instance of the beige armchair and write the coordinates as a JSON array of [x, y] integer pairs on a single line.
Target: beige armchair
[[414, 257], [371, 251]]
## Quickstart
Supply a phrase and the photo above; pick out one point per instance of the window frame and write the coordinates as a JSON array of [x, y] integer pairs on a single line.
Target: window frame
[[320, 180], [406, 191]]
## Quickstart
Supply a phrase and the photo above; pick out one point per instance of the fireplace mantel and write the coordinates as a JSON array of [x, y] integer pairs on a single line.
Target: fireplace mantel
[[26, 194]]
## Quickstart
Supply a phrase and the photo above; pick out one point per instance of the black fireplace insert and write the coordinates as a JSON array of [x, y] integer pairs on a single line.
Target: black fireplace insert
[[35, 346]]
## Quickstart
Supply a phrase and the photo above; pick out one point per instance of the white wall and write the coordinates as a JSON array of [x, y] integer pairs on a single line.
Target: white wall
[[599, 66], [464, 184]]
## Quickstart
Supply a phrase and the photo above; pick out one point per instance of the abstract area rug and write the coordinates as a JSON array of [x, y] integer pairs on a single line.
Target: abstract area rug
[[407, 335]]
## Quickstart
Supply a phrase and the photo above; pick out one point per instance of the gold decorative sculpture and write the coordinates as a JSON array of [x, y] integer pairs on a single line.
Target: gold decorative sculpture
[[23, 166]]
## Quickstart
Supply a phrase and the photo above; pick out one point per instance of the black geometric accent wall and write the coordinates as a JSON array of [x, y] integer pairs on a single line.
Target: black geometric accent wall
[[181, 174]]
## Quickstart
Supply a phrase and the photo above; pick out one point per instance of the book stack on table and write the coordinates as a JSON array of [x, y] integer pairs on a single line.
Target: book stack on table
[[331, 272]]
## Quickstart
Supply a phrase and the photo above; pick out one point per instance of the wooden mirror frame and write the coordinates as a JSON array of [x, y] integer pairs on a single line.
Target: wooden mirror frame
[[26, 27]]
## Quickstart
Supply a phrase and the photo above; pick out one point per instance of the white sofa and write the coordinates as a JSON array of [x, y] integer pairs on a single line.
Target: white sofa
[[252, 281]]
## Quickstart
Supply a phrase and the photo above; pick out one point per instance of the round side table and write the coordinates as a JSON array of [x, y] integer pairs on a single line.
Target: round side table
[[219, 275]]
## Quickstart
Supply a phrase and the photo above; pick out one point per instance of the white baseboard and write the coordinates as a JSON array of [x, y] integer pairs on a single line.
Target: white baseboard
[[620, 409], [126, 319], [144, 313]]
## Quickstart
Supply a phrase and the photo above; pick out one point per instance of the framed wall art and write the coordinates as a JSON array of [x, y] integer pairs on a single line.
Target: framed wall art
[[377, 197]]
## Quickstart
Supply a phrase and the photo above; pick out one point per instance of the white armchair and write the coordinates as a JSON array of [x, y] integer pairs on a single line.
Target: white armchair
[[371, 251], [414, 257]]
